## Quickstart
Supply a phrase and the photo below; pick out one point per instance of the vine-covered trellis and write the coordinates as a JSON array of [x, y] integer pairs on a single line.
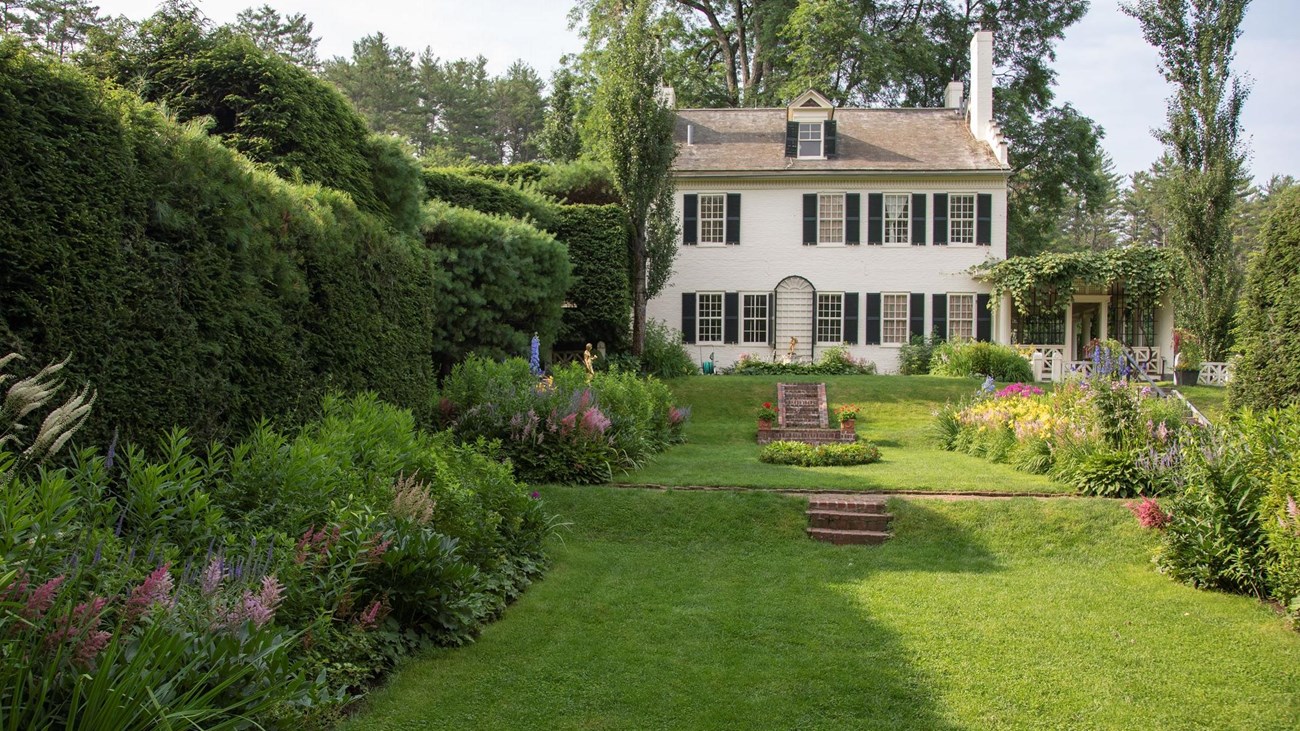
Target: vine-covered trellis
[[1050, 280]]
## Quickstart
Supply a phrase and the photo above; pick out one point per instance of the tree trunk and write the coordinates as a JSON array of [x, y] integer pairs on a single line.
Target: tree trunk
[[638, 252]]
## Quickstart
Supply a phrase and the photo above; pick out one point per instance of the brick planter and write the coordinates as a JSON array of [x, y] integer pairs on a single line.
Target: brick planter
[[807, 435]]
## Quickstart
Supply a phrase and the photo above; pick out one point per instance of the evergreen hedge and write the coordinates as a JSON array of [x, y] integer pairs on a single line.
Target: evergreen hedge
[[1267, 372], [490, 196], [196, 288]]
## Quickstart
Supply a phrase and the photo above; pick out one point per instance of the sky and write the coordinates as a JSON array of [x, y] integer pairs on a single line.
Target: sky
[[1104, 67]]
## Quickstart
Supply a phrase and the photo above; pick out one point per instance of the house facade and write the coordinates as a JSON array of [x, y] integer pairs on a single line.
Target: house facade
[[810, 227]]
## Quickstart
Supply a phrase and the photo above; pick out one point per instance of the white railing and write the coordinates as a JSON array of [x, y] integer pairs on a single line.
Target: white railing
[[1149, 360], [1079, 367], [1051, 355], [1215, 374]]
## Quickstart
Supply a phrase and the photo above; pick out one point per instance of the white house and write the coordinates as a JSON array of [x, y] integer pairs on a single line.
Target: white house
[[838, 227], [858, 228]]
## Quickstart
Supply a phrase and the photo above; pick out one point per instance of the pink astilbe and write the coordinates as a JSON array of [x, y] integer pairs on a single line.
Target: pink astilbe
[[258, 608], [40, 600], [212, 576], [82, 627], [1019, 389], [378, 548], [1148, 513], [1292, 516], [370, 618], [594, 422], [156, 590]]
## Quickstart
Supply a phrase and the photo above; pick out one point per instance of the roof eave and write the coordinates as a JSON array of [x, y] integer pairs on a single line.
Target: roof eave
[[788, 173]]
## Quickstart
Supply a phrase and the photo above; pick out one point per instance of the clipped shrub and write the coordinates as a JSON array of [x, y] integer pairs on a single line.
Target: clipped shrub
[[915, 355], [825, 455], [1266, 374], [452, 185], [581, 182], [504, 280], [601, 293], [834, 362], [967, 358]]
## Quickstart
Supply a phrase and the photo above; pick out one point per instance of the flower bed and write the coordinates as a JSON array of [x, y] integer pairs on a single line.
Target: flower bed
[[834, 362], [1105, 435], [568, 427], [269, 581]]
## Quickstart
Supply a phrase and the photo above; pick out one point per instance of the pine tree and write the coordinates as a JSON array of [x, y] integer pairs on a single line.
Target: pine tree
[[561, 141], [519, 112], [289, 35], [380, 81]]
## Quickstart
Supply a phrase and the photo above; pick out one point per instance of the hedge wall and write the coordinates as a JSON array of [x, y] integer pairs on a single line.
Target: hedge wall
[[1267, 372], [268, 109], [581, 182], [193, 287], [490, 196], [601, 292]]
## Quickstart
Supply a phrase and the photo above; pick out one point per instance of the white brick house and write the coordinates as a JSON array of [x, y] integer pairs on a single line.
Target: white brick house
[[838, 227], [859, 228]]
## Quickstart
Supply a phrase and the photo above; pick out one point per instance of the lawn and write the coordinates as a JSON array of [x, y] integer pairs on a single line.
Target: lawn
[[1211, 400], [712, 611], [896, 415]]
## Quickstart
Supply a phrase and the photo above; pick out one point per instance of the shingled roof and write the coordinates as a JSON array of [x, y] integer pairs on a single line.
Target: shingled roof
[[885, 140]]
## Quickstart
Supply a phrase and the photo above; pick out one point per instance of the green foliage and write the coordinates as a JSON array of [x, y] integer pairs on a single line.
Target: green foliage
[[970, 358], [597, 244], [566, 429], [195, 288], [1267, 373], [834, 362], [914, 357], [505, 280], [561, 141], [664, 355], [1145, 274], [573, 183], [288, 35], [480, 194], [825, 455]]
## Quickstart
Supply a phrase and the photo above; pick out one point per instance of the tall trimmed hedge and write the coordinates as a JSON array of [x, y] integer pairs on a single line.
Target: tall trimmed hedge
[[503, 280], [195, 288], [490, 196], [268, 109], [1267, 372], [601, 294], [581, 182]]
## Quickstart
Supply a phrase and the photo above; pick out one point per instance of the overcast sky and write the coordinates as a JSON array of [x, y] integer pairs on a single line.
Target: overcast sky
[[1104, 67]]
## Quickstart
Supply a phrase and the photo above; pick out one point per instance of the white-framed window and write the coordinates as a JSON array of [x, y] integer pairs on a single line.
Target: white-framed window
[[961, 218], [753, 318], [893, 318], [708, 318], [810, 139], [830, 317], [961, 316], [830, 218], [713, 218], [898, 218]]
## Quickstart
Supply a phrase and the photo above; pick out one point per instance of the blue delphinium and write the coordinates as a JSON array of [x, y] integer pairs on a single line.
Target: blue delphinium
[[535, 356]]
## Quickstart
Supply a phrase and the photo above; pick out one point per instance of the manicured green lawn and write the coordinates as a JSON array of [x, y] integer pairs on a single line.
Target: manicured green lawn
[[1211, 400], [896, 415], [712, 611]]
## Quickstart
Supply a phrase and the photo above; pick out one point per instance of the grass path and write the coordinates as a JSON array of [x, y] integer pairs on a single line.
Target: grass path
[[897, 412], [674, 609]]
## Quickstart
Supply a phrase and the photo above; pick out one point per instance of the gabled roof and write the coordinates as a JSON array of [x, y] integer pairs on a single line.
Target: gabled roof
[[869, 140]]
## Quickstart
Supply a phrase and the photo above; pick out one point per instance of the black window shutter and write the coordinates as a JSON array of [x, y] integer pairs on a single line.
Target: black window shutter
[[916, 315], [771, 318], [809, 219], [851, 318], [733, 218], [830, 139], [688, 317], [984, 219], [853, 218], [792, 139], [939, 317], [731, 317], [690, 219], [873, 319], [918, 219], [940, 219], [983, 319], [875, 218]]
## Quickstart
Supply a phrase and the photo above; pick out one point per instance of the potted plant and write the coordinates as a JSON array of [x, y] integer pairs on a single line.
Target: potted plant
[[766, 415], [848, 416], [1187, 359]]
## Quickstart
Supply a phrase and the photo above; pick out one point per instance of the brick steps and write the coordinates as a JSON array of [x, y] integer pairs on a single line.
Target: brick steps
[[848, 520]]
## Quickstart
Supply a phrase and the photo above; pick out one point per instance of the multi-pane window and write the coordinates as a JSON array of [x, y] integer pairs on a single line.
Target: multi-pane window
[[713, 218], [961, 218], [709, 317], [830, 317], [810, 139], [898, 220], [830, 218], [754, 317], [961, 316], [893, 323]]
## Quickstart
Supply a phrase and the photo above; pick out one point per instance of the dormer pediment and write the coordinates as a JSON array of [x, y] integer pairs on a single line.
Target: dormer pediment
[[810, 105]]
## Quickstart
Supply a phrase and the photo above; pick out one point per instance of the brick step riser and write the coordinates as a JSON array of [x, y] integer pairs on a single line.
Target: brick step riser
[[847, 507], [839, 538], [850, 521]]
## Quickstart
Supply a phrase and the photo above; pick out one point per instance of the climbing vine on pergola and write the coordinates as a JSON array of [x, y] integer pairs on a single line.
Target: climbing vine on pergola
[[1145, 273]]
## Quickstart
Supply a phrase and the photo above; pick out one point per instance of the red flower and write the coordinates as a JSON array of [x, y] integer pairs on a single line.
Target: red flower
[[767, 404]]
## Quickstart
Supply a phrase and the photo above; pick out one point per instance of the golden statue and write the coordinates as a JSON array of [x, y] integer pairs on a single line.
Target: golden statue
[[790, 353], [588, 358]]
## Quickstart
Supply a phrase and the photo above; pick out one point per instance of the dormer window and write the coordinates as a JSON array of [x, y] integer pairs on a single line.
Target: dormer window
[[810, 139]]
